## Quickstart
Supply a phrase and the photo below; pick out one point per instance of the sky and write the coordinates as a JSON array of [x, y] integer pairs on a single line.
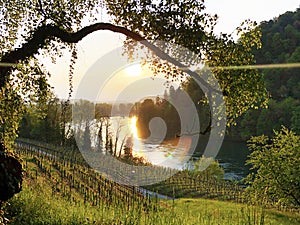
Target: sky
[[233, 12], [95, 48]]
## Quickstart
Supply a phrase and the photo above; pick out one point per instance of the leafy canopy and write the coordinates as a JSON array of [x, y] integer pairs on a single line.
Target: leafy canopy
[[184, 23], [45, 27], [275, 168]]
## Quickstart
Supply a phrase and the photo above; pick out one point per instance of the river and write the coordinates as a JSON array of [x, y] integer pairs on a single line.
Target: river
[[231, 156]]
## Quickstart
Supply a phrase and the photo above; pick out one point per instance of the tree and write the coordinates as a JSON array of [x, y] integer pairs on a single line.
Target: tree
[[83, 118], [275, 166], [10, 176], [249, 124], [283, 84], [280, 38], [128, 155], [146, 112], [296, 120], [51, 26], [128, 148], [118, 128], [46, 122], [87, 145], [276, 115], [45, 27], [213, 172], [201, 103]]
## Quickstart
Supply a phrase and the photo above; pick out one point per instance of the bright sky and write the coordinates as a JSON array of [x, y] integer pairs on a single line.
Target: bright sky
[[92, 48], [233, 12]]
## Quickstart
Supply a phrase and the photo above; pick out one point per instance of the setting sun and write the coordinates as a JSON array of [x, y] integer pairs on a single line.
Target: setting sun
[[134, 69]]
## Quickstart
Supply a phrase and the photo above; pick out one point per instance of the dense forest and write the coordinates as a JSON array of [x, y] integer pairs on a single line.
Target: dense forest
[[280, 44]]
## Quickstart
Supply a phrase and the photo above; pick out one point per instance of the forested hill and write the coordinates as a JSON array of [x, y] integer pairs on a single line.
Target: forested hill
[[280, 39], [280, 44]]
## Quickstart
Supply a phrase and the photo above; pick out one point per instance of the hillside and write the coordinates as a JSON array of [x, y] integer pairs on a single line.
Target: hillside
[[55, 192], [280, 45]]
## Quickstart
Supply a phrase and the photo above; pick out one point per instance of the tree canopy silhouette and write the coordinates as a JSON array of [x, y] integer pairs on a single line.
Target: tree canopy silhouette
[[33, 27]]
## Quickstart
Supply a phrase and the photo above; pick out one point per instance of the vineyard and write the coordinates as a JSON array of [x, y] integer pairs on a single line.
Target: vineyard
[[60, 188], [185, 185], [70, 172], [70, 176], [71, 167]]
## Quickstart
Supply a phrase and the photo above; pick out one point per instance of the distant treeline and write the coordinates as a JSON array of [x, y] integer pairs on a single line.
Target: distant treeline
[[62, 123], [52, 121]]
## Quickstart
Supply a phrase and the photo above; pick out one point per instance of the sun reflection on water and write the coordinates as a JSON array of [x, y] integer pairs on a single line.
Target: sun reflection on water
[[137, 144], [170, 153], [133, 128]]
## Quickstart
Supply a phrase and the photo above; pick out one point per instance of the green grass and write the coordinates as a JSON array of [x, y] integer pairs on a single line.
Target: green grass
[[37, 204], [203, 211]]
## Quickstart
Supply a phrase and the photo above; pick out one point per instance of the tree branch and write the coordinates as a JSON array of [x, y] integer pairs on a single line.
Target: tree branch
[[41, 8], [46, 32]]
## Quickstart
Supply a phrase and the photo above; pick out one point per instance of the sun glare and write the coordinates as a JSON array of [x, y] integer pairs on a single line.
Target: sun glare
[[134, 70]]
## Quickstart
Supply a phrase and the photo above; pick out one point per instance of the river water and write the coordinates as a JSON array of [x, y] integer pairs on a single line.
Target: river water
[[231, 156]]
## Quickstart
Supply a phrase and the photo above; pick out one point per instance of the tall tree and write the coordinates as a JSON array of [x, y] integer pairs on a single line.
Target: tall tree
[[37, 26], [34, 27]]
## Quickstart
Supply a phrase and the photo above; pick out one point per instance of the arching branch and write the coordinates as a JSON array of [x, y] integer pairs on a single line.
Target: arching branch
[[42, 33]]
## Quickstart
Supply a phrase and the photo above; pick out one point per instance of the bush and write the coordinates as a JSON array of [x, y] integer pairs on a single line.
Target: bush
[[275, 169]]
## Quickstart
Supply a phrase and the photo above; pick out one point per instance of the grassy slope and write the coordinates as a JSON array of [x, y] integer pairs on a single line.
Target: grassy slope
[[36, 204]]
